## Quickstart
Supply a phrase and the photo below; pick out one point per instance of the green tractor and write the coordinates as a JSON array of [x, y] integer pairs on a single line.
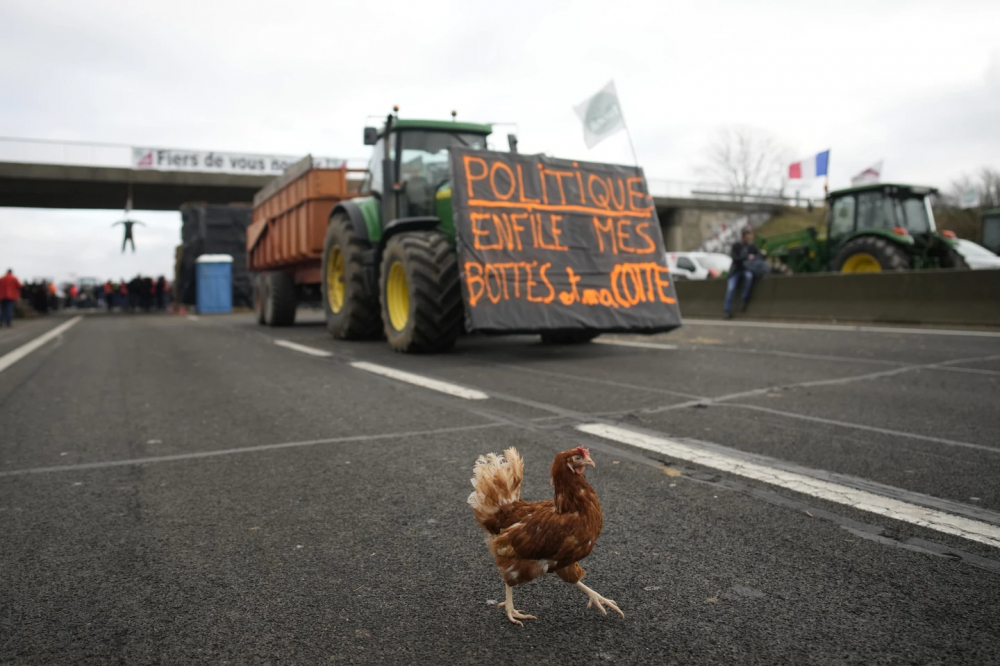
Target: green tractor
[[872, 228], [389, 263]]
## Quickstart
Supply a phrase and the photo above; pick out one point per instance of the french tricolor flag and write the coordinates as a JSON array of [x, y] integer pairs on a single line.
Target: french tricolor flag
[[810, 168]]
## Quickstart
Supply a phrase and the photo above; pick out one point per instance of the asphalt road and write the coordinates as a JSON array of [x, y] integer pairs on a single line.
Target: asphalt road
[[178, 490]]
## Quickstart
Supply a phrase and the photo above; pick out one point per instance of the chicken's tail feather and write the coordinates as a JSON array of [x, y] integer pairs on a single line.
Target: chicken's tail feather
[[497, 481]]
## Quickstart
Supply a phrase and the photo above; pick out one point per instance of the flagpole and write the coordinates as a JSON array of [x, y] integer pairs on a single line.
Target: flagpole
[[628, 132]]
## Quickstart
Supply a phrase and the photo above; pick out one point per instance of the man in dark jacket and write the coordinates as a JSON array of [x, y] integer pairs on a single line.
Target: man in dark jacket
[[742, 252]]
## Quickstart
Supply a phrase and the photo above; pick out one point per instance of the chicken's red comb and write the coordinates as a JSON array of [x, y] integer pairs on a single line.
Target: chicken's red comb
[[584, 452]]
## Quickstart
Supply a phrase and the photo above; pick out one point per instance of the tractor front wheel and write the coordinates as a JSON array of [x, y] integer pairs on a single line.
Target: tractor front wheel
[[870, 254], [420, 294]]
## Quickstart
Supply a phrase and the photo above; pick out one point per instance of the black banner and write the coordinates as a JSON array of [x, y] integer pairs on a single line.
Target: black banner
[[550, 244]]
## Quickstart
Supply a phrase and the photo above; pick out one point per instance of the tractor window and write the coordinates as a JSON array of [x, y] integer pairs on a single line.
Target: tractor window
[[423, 164], [843, 217], [915, 212], [875, 212]]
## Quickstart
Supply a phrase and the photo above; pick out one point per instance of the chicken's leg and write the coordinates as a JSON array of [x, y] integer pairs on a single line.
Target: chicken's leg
[[595, 598], [514, 615]]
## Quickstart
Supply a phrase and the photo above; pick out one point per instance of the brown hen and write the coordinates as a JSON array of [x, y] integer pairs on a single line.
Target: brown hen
[[530, 539]]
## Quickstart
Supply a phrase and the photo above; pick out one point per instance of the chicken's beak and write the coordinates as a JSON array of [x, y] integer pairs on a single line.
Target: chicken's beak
[[589, 461]]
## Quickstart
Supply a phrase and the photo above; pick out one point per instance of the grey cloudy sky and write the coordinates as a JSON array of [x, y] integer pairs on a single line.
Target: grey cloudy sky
[[914, 83]]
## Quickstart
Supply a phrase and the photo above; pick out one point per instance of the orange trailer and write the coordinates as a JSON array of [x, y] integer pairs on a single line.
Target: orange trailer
[[286, 235], [290, 216]]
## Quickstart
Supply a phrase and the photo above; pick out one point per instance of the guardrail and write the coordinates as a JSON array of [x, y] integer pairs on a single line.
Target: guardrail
[[937, 297]]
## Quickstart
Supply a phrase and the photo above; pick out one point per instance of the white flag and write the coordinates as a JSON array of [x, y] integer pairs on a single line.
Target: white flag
[[601, 116], [869, 176]]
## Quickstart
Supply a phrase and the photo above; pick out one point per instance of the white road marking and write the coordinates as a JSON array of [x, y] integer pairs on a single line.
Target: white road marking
[[632, 343], [13, 357], [246, 449], [302, 348], [420, 380], [193, 317], [833, 492], [861, 426], [817, 383], [842, 327]]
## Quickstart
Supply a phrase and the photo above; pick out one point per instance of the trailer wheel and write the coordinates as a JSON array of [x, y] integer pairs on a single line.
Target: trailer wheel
[[279, 301], [420, 295], [259, 298], [349, 301], [870, 254], [571, 337]]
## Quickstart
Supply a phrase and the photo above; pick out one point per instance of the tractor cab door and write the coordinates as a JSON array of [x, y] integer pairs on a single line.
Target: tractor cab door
[[842, 220]]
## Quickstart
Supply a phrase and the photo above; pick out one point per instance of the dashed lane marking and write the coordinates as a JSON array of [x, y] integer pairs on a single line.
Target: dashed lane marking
[[850, 329], [302, 348], [834, 492], [420, 380], [633, 343], [246, 449], [13, 357]]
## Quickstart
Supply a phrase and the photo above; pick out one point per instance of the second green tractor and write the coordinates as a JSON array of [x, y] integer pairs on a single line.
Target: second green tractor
[[869, 229]]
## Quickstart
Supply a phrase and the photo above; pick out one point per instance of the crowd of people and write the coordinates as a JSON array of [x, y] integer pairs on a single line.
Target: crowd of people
[[140, 294]]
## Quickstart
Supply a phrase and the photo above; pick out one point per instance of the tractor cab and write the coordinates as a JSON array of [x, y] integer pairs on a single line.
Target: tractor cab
[[886, 227], [409, 168], [898, 211], [872, 228]]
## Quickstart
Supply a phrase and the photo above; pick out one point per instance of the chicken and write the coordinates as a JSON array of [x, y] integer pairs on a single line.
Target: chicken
[[530, 539]]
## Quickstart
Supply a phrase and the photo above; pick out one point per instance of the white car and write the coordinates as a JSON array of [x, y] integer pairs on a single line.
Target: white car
[[698, 265], [976, 255]]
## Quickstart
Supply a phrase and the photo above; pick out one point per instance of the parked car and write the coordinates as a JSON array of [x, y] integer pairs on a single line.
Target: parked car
[[698, 265], [976, 255]]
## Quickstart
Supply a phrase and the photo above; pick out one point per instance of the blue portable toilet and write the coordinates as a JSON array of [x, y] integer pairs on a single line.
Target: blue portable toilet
[[214, 283]]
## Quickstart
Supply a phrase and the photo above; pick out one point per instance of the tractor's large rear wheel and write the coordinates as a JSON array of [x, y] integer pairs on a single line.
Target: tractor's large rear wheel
[[870, 254], [349, 301], [419, 292]]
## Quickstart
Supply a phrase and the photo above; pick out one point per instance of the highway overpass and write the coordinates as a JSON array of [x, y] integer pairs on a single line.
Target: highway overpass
[[77, 175]]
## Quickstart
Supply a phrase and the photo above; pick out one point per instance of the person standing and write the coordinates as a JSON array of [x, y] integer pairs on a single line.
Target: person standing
[[10, 291], [129, 237], [161, 293], [742, 253]]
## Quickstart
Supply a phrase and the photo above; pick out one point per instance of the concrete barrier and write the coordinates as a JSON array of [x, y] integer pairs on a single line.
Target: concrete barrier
[[939, 297]]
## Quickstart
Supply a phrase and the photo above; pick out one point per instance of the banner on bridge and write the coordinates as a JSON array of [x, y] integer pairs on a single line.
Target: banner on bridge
[[551, 244], [173, 159]]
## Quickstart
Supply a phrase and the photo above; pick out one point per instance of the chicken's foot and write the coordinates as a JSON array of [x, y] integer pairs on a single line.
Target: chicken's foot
[[595, 598], [514, 615]]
